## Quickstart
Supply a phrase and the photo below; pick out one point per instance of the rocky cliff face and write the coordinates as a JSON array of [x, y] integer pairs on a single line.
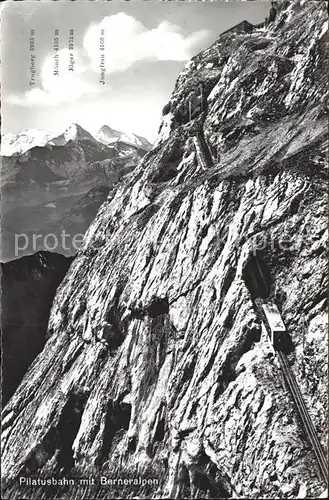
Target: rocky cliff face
[[157, 363]]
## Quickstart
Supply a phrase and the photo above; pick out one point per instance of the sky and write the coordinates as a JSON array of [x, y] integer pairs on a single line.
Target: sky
[[109, 62]]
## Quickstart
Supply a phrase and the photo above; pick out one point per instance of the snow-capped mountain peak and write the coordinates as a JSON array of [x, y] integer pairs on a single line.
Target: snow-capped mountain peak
[[108, 135], [73, 133], [16, 144]]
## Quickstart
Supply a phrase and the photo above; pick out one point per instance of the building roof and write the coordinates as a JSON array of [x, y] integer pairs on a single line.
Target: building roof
[[245, 23]]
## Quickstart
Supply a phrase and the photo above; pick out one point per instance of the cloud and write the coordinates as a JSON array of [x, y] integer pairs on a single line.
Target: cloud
[[123, 41], [58, 87]]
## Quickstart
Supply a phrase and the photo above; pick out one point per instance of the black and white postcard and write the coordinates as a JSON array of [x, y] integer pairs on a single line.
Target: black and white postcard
[[164, 253]]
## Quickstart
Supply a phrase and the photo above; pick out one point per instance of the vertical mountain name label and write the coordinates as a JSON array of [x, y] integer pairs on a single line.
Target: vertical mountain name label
[[32, 58], [56, 55], [71, 50], [102, 56], [69, 60]]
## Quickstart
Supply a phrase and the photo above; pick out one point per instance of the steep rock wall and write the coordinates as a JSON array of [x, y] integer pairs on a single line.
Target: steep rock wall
[[157, 362]]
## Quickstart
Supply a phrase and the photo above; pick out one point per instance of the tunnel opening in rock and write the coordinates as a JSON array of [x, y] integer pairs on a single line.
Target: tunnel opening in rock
[[68, 428], [117, 419], [257, 278], [157, 307]]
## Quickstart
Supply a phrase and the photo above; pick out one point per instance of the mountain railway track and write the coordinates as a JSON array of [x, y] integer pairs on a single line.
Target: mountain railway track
[[304, 415], [296, 395], [269, 315]]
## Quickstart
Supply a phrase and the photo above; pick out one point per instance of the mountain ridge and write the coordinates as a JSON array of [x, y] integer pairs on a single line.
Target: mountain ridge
[[40, 185], [18, 144], [157, 360]]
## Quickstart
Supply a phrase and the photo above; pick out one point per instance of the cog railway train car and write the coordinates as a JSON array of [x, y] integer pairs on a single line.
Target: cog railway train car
[[276, 326]]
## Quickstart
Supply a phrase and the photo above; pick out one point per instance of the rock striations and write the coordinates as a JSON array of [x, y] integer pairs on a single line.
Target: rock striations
[[157, 364]]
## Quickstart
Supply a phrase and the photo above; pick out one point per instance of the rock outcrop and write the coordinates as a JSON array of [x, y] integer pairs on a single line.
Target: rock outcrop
[[157, 364]]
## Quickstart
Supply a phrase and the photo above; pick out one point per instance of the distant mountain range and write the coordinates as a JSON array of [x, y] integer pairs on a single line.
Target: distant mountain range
[[44, 179], [28, 287], [17, 144]]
